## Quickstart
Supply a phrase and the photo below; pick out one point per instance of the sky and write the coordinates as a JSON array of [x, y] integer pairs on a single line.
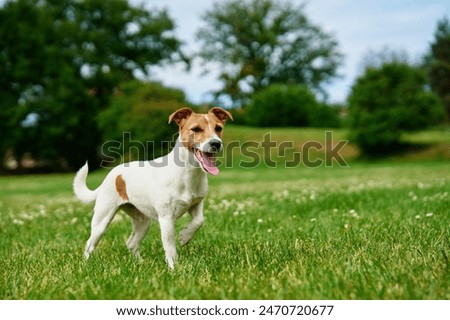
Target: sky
[[358, 26]]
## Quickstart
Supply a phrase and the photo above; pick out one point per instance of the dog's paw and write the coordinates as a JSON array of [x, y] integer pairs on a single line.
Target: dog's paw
[[137, 255], [184, 238], [86, 255], [171, 262]]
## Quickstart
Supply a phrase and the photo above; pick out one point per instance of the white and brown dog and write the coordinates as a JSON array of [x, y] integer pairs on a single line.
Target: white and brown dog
[[147, 190]]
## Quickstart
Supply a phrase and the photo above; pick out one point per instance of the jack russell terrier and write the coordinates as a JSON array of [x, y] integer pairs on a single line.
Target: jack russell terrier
[[147, 190]]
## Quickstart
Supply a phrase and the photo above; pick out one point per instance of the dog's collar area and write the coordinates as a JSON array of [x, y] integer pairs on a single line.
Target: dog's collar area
[[207, 161]]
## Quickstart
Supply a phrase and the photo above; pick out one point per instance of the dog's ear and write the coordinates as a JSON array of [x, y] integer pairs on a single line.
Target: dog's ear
[[180, 116], [221, 114]]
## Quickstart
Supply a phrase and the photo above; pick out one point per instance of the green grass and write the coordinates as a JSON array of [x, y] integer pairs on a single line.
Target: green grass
[[368, 231]]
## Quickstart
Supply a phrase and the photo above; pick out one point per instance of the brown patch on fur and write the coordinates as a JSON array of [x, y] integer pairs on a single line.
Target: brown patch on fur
[[121, 187], [221, 114], [180, 116]]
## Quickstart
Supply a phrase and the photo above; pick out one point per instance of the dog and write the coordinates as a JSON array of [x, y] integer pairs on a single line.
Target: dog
[[163, 189]]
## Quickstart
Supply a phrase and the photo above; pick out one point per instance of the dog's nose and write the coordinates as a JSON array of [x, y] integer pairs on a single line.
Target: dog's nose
[[215, 144]]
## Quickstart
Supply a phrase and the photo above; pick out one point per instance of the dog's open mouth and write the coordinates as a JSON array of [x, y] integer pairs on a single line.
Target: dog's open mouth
[[207, 161]]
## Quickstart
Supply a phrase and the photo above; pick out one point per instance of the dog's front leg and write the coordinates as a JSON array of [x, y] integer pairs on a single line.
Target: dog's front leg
[[191, 228], [167, 225]]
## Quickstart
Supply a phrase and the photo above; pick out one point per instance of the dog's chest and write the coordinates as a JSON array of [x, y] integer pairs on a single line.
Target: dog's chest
[[189, 195]]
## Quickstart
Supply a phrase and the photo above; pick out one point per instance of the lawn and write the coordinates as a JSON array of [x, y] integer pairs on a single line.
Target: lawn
[[372, 230]]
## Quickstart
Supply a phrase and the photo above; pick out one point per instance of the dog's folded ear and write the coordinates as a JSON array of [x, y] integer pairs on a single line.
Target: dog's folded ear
[[221, 114], [180, 116]]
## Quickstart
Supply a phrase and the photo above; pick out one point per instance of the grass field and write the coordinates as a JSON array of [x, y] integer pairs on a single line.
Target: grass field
[[376, 230]]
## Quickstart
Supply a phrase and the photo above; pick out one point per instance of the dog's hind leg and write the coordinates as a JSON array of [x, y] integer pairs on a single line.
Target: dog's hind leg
[[104, 212], [140, 224]]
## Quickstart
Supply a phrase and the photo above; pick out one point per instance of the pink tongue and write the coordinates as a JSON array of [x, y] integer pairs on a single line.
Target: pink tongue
[[208, 165]]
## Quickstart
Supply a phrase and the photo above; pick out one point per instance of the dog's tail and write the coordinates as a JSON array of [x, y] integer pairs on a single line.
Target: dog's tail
[[80, 188]]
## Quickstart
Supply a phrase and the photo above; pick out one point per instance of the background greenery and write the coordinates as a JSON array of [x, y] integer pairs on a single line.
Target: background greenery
[[259, 43], [289, 106], [70, 68], [61, 62], [388, 101]]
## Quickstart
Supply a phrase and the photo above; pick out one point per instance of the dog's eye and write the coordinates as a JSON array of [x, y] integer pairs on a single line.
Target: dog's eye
[[219, 129], [196, 129]]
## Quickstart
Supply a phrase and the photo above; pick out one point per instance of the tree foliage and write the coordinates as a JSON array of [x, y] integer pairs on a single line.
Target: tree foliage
[[137, 120], [439, 63], [289, 106], [387, 101], [258, 43], [61, 61]]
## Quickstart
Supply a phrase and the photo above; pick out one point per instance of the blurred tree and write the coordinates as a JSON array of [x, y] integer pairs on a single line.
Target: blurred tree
[[123, 121], [326, 116], [294, 105], [438, 63], [60, 62], [378, 58], [387, 101], [258, 43]]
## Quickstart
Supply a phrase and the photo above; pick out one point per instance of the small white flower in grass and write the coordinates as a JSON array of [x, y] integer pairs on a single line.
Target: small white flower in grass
[[260, 221], [429, 214], [269, 230], [335, 210], [226, 203], [18, 222], [313, 219], [418, 217], [312, 197], [353, 213], [346, 226]]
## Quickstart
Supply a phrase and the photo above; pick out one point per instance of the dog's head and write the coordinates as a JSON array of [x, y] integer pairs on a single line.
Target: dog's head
[[201, 134]]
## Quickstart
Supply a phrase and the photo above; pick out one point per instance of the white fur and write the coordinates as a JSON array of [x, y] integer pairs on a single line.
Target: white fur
[[163, 189], [79, 186]]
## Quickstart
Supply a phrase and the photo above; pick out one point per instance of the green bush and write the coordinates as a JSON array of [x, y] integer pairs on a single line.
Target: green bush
[[325, 116], [387, 101], [137, 117], [289, 106]]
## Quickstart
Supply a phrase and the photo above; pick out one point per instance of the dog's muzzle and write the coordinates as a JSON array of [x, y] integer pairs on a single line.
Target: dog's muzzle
[[206, 155]]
